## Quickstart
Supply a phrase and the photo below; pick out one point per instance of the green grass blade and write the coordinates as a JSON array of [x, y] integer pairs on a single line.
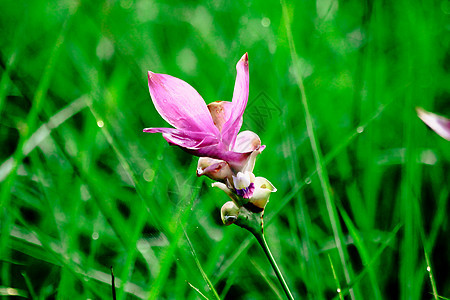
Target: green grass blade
[[320, 165], [199, 266]]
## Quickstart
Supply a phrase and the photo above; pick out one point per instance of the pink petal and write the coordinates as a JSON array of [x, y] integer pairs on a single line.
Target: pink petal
[[180, 104], [236, 160], [439, 124], [186, 139], [246, 141], [203, 145], [240, 98]]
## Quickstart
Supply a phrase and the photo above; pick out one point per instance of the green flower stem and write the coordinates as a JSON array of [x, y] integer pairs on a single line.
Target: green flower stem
[[262, 241], [253, 222]]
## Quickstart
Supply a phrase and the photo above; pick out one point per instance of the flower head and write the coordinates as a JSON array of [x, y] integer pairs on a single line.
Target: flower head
[[205, 131], [211, 132]]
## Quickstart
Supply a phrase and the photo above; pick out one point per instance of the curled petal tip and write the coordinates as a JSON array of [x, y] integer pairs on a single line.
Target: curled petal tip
[[244, 58]]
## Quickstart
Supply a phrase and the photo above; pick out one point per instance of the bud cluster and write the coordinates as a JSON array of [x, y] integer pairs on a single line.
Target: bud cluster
[[249, 194]]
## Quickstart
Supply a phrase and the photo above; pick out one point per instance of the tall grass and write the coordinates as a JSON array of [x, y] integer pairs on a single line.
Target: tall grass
[[363, 190]]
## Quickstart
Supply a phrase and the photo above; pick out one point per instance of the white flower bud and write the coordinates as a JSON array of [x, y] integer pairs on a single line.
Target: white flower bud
[[243, 183], [214, 168], [229, 213], [241, 180]]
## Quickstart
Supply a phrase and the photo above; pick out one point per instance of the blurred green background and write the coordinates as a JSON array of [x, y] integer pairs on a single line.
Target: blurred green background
[[83, 188]]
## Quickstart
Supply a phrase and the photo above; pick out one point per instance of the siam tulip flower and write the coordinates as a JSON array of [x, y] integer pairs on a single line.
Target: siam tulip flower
[[439, 124], [209, 131]]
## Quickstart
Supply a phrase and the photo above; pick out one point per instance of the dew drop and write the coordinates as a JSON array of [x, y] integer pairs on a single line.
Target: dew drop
[[149, 175], [100, 123], [428, 269], [308, 180], [265, 22], [338, 290], [95, 235], [360, 129]]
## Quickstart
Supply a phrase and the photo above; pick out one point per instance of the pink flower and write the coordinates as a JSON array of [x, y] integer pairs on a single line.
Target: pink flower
[[439, 124], [205, 130]]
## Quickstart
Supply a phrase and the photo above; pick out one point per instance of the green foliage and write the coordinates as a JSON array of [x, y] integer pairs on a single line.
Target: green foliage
[[83, 188]]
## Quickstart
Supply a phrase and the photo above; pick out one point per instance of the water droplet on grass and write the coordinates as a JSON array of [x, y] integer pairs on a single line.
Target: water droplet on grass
[[265, 22], [149, 175]]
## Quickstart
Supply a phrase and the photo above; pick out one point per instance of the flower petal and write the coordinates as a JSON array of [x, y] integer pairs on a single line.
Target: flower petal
[[180, 104], [236, 160], [213, 168], [263, 183], [439, 124], [186, 139], [202, 144], [250, 164], [240, 98], [220, 112], [241, 180], [246, 141], [263, 189]]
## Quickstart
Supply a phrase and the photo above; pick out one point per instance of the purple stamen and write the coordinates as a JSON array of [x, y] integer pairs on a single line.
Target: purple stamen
[[247, 192]]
